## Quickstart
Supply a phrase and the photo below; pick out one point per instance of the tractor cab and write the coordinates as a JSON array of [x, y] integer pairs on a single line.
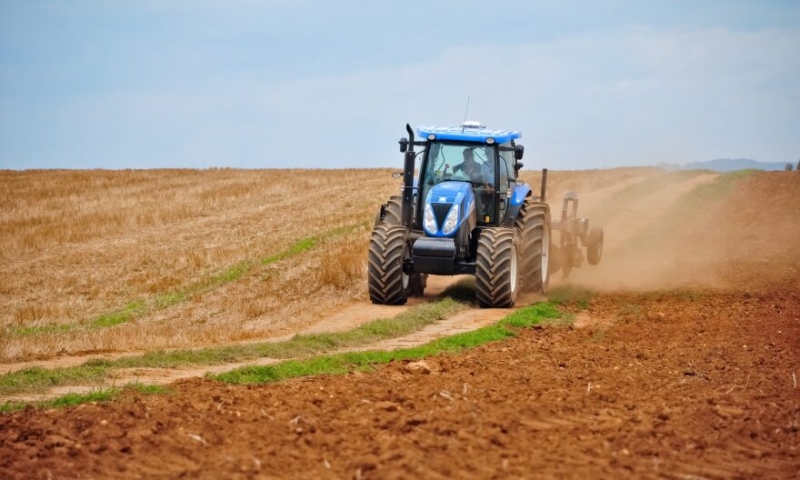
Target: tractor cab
[[483, 159]]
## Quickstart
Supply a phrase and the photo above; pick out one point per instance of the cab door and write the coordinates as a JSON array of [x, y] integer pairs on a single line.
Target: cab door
[[505, 178]]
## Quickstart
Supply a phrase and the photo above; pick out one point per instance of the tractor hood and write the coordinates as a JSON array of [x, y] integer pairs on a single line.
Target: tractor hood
[[447, 205]]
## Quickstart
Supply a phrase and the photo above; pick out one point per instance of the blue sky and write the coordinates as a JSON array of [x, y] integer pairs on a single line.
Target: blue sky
[[319, 84]]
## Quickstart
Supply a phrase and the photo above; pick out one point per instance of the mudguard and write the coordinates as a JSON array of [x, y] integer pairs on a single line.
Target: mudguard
[[521, 192]]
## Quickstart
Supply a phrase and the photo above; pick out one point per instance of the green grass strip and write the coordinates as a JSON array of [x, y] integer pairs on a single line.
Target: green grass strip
[[342, 363], [37, 379], [116, 318], [73, 399], [297, 247], [330, 364], [138, 308]]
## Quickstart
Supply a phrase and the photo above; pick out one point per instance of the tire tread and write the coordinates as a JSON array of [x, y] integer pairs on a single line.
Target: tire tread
[[385, 265], [492, 265]]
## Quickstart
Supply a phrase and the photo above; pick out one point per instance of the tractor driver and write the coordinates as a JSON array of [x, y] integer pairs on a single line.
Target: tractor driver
[[481, 177], [478, 173]]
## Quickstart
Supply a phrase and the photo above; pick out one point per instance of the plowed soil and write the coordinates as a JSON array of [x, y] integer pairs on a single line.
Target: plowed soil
[[685, 365], [699, 385]]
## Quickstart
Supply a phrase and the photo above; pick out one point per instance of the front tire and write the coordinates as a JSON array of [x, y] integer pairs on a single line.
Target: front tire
[[388, 285], [392, 216], [497, 274]]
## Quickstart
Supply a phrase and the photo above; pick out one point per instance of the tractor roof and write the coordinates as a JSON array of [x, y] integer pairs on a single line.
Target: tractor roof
[[468, 132]]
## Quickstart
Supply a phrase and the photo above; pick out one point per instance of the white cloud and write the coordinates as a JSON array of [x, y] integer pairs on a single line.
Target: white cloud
[[640, 95]]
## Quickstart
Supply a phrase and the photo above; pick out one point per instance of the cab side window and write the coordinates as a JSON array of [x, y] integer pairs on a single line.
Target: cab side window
[[503, 186], [506, 165]]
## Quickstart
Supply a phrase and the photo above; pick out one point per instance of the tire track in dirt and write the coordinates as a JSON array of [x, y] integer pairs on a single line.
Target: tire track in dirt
[[350, 317], [464, 321], [346, 318]]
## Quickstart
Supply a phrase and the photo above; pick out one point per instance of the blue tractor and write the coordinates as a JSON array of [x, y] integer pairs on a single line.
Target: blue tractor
[[467, 212]]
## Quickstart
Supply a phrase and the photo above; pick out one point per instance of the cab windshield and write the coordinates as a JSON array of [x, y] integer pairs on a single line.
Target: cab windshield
[[464, 162], [467, 162]]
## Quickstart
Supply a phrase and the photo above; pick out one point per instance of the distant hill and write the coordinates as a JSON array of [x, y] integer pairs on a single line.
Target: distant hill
[[725, 165]]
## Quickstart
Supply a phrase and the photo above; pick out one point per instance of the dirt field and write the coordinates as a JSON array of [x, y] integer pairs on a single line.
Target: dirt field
[[683, 363], [656, 386]]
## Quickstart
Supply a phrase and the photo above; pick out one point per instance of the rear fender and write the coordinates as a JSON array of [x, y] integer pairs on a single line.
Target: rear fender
[[521, 192]]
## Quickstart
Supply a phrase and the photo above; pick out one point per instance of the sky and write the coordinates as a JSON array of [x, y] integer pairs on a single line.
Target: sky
[[319, 84]]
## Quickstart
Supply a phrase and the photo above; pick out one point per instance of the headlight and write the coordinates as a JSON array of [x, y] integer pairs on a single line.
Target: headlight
[[428, 221], [451, 222]]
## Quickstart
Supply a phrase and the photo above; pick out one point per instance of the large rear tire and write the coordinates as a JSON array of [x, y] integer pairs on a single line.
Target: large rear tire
[[533, 227], [497, 274], [594, 247], [388, 285]]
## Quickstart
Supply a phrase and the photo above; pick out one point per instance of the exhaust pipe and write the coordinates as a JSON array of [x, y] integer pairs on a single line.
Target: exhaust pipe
[[544, 185], [408, 180]]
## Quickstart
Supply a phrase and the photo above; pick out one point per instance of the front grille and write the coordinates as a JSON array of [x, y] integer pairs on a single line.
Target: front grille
[[440, 211]]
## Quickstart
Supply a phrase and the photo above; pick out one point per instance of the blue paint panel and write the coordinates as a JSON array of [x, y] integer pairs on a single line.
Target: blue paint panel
[[448, 192], [520, 192], [478, 135], [453, 193]]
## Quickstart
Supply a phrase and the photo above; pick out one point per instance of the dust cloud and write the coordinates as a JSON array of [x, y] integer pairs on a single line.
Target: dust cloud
[[687, 229]]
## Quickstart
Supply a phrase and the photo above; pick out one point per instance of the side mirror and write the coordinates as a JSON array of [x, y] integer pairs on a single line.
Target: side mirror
[[518, 166], [519, 150], [403, 145]]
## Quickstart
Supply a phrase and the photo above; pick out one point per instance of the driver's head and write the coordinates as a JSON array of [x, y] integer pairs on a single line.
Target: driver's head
[[469, 155]]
